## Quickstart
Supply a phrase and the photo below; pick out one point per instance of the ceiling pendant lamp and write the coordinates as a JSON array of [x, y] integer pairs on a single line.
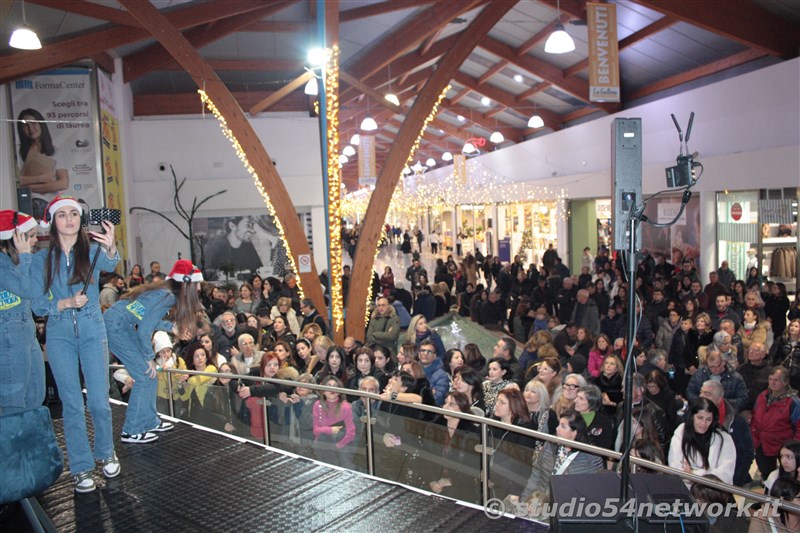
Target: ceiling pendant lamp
[[559, 41], [431, 162], [497, 137], [355, 139], [468, 148], [447, 156], [312, 88], [343, 159], [535, 121], [369, 124], [24, 38], [391, 97], [349, 151]]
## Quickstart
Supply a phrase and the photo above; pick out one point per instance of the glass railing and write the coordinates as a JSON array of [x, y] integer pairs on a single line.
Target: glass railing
[[478, 460]]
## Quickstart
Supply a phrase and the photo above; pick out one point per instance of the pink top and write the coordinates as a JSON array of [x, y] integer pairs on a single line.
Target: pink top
[[324, 421], [595, 363]]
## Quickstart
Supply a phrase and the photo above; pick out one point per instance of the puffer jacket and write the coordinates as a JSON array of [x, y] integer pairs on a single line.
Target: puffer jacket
[[384, 329], [775, 420]]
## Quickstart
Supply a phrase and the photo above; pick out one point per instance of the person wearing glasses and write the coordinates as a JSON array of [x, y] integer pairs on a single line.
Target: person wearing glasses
[[717, 369], [432, 365]]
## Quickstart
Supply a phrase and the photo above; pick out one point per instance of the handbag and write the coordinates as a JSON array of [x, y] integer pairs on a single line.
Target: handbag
[[30, 459]]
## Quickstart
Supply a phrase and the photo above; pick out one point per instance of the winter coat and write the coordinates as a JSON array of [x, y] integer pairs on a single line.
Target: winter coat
[[384, 329], [775, 420]]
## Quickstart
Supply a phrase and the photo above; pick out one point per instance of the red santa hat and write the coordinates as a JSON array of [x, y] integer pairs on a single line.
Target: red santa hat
[[11, 220], [58, 202], [184, 271]]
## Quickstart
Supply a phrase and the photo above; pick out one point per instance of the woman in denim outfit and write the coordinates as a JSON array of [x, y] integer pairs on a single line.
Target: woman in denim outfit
[[21, 361], [76, 335], [131, 323]]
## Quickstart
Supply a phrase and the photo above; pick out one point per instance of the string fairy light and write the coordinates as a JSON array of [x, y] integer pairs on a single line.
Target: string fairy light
[[334, 186], [240, 153]]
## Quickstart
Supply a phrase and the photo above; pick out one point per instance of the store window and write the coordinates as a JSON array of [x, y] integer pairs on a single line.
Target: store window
[[737, 231]]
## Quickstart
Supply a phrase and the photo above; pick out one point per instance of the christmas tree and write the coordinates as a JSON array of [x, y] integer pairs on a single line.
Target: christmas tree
[[527, 242]]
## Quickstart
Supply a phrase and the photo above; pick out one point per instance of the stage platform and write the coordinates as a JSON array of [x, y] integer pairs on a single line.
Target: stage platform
[[195, 480]]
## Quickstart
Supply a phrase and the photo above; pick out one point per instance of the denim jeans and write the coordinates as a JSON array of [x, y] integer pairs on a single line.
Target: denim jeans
[[140, 415], [77, 339], [21, 361]]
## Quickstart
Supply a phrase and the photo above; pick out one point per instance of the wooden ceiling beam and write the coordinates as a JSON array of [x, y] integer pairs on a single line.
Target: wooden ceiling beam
[[551, 120], [379, 99], [744, 22], [204, 76], [406, 36], [250, 65], [461, 94], [536, 89], [699, 72], [573, 86], [90, 9], [575, 8], [281, 93], [105, 61], [542, 35], [497, 67], [62, 51], [651, 29], [491, 124], [189, 103], [139, 63]]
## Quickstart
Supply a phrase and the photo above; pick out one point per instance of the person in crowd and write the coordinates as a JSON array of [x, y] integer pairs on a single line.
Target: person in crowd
[[788, 464], [135, 277], [278, 332], [786, 352], [660, 394], [543, 418], [387, 281], [288, 366], [776, 419], [529, 353], [601, 349], [610, 383], [663, 429], [722, 344], [470, 383], [699, 446], [755, 373], [584, 342], [245, 302], [455, 471], [251, 391], [753, 300], [752, 329], [289, 289], [207, 340], [558, 459], [419, 330], [667, 330], [384, 323], [268, 298], [364, 365], [333, 426], [511, 451], [717, 369], [76, 334], [548, 372], [310, 332], [22, 379], [194, 388], [473, 358], [131, 323], [737, 427], [683, 355], [166, 358], [247, 356], [226, 337], [764, 521], [723, 311], [283, 308], [498, 378], [311, 316], [504, 349], [432, 364], [155, 273], [599, 427], [585, 313], [453, 360], [335, 365], [112, 288], [564, 397]]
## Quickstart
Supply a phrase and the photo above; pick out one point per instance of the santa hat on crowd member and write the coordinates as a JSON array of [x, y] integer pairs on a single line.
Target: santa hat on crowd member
[[11, 220], [183, 270], [58, 202], [161, 340]]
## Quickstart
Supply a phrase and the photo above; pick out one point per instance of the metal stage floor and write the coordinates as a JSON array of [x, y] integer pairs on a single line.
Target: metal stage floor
[[195, 480]]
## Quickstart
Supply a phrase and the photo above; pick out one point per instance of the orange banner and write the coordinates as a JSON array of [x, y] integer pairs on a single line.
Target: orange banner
[[603, 52], [367, 169]]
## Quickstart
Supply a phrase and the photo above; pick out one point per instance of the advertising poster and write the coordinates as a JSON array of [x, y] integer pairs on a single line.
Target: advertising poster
[[603, 52], [56, 137], [240, 247], [678, 241], [112, 161]]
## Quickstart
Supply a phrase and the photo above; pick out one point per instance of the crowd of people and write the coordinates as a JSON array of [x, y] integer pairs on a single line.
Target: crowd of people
[[717, 367]]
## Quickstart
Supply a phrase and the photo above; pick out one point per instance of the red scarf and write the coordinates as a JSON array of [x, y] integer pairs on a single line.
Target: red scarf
[[722, 410]]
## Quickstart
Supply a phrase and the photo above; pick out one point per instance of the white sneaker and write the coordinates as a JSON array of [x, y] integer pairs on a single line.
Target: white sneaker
[[111, 467], [162, 427], [84, 483], [139, 438]]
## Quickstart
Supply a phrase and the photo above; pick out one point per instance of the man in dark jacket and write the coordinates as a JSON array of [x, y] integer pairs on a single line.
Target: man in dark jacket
[[723, 311], [566, 299], [657, 415], [725, 276], [402, 295], [585, 313], [493, 311], [311, 316], [432, 365], [414, 272], [755, 373], [717, 369]]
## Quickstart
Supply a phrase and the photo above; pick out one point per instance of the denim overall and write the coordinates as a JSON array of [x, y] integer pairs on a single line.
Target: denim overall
[[21, 360], [130, 325], [76, 339]]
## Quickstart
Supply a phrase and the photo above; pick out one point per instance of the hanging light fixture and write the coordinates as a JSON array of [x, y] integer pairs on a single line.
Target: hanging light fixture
[[407, 170], [355, 139], [497, 137], [559, 41], [468, 148], [447, 156], [349, 151], [431, 162], [418, 168], [486, 101], [369, 124], [343, 159], [535, 121], [24, 38], [312, 88], [317, 57], [391, 97]]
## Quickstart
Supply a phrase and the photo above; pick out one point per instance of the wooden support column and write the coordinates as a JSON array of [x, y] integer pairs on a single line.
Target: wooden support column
[[390, 172], [203, 75]]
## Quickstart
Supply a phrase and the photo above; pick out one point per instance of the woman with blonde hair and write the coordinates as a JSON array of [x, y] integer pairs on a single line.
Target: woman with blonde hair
[[283, 308], [419, 330]]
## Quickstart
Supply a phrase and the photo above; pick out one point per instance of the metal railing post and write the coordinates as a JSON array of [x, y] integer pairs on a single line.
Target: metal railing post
[[370, 450], [264, 404], [484, 464], [171, 399]]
